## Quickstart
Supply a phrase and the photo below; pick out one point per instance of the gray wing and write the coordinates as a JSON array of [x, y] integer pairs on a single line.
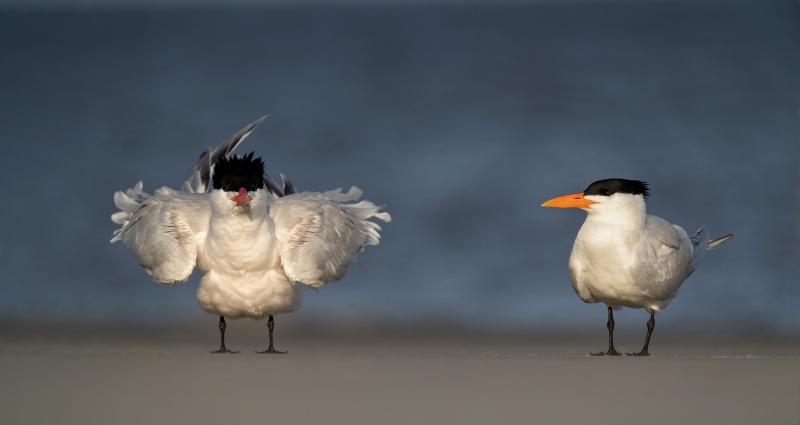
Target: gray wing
[[199, 178], [665, 254], [321, 234], [288, 187], [272, 187], [165, 233], [278, 191]]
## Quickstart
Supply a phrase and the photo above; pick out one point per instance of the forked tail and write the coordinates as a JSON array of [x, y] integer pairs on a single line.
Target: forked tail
[[701, 244]]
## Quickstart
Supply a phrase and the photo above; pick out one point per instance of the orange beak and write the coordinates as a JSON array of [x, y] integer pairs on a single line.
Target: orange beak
[[242, 198], [576, 200]]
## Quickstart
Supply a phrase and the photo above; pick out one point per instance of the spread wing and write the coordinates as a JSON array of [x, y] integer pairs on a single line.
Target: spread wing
[[665, 255], [322, 233], [165, 232]]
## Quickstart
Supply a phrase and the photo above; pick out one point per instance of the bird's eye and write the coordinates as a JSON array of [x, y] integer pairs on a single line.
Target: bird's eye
[[609, 192]]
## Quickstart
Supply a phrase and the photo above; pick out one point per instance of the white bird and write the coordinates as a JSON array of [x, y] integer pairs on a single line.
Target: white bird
[[252, 239], [624, 257]]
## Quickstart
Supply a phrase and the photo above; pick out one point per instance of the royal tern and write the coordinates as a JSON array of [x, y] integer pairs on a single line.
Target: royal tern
[[624, 257], [252, 239]]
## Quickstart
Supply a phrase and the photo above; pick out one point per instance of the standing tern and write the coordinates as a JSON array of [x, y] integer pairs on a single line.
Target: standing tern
[[624, 257], [251, 238]]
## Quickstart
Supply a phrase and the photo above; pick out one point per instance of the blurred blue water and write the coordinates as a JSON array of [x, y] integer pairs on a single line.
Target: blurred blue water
[[461, 119]]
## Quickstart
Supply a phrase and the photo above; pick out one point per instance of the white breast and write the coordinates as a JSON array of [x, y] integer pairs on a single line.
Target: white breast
[[627, 269], [624, 257], [243, 275], [597, 263]]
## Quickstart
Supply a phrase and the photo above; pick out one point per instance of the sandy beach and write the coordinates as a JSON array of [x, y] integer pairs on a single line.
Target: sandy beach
[[97, 379]]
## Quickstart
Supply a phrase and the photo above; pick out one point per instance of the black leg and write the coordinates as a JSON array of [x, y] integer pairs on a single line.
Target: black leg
[[222, 348], [271, 349], [610, 325], [650, 325]]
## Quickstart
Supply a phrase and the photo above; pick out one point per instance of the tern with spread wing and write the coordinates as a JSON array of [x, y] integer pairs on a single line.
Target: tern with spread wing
[[251, 238], [624, 257]]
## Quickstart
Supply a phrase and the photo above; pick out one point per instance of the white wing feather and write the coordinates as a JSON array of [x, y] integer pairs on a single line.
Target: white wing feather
[[321, 235], [128, 202], [165, 232]]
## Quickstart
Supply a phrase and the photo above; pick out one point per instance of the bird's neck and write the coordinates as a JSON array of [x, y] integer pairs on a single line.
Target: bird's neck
[[244, 234], [629, 213], [225, 215]]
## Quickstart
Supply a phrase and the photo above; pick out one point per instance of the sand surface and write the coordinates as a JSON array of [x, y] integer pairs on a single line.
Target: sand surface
[[394, 381]]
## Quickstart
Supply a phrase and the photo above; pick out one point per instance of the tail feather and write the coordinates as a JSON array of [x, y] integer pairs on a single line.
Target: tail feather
[[699, 247], [718, 241]]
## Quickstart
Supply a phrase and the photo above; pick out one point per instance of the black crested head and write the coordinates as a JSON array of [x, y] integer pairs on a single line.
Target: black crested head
[[609, 187], [236, 172]]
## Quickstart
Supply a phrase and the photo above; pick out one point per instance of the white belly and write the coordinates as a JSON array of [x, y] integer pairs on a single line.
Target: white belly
[[253, 295], [598, 272], [243, 275]]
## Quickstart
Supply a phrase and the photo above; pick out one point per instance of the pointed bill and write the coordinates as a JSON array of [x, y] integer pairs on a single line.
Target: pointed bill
[[575, 200], [242, 198]]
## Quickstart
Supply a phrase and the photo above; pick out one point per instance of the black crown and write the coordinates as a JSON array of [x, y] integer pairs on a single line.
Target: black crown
[[609, 187], [236, 172]]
